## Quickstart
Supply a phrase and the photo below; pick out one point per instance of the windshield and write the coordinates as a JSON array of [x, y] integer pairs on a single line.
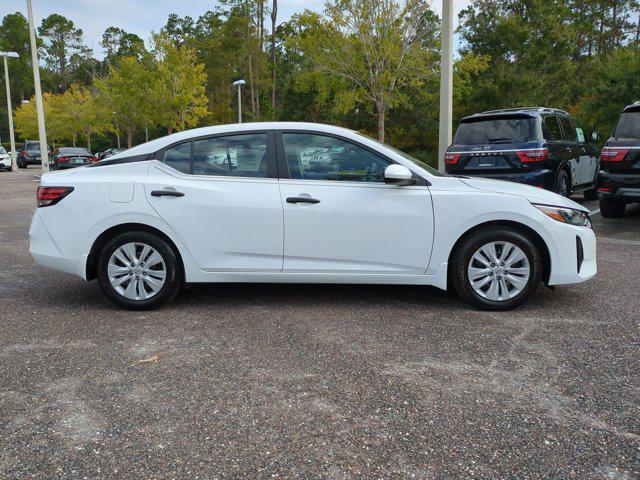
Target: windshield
[[414, 160], [33, 147], [628, 125], [2, 151], [496, 130], [74, 151]]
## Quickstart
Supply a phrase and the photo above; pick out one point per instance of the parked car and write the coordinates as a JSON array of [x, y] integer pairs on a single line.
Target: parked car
[[168, 212], [539, 146], [71, 157], [619, 179], [29, 154], [110, 152], [5, 159]]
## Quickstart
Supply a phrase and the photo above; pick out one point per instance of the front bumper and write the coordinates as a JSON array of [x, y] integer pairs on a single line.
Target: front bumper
[[575, 256], [5, 164], [619, 186]]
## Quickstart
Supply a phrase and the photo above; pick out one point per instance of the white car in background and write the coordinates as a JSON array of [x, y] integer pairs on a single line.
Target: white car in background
[[5, 159], [147, 220]]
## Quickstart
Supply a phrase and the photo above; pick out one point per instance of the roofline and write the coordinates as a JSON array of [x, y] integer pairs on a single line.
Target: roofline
[[524, 110]]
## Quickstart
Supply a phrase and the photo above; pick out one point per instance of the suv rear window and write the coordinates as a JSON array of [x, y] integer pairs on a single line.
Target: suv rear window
[[496, 130], [628, 125]]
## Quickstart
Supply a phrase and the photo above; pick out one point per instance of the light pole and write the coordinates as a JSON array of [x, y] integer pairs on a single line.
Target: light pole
[[42, 133], [446, 82], [5, 55], [239, 84]]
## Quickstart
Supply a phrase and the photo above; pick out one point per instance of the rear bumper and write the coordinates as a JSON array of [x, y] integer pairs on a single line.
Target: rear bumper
[[623, 187], [65, 166], [47, 253], [543, 178]]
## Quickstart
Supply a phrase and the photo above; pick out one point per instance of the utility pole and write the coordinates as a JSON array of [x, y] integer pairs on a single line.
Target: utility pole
[[14, 166], [239, 83], [446, 82], [42, 133]]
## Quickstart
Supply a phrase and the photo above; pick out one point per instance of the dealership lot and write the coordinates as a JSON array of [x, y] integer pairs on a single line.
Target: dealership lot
[[334, 381]]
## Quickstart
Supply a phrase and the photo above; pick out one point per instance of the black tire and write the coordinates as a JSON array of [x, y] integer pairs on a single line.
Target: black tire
[[563, 184], [173, 280], [21, 165], [611, 208], [591, 194], [468, 247]]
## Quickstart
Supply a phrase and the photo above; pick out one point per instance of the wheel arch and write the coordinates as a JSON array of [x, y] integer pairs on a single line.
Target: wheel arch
[[522, 228], [105, 236]]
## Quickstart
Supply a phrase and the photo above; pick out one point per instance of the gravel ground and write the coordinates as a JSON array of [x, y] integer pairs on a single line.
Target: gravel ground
[[256, 381]]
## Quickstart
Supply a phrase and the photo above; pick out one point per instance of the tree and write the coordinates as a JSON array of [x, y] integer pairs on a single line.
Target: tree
[[127, 94], [274, 15], [62, 40], [117, 44], [179, 93], [378, 46]]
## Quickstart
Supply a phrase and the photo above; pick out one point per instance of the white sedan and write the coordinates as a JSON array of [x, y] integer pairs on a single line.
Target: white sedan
[[238, 203]]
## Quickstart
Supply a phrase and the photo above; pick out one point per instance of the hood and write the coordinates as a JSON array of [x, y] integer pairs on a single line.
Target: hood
[[533, 194]]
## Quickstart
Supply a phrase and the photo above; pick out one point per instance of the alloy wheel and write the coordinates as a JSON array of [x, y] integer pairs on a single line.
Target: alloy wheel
[[136, 271], [499, 271]]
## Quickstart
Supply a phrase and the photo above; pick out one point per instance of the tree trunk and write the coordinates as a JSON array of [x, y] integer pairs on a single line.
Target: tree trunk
[[614, 30], [251, 88], [89, 141], [146, 134], [274, 15], [129, 138], [382, 110], [118, 138], [75, 137]]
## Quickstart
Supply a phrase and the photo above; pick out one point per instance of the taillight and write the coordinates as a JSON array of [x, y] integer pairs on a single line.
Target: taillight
[[51, 195], [63, 159], [23, 153], [93, 159], [451, 158], [613, 154], [535, 155]]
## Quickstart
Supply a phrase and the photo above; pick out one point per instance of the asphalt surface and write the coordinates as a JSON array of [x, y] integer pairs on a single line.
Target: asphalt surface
[[285, 381]]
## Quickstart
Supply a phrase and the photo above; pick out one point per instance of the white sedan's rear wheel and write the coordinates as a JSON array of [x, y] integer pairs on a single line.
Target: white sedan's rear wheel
[[496, 268], [138, 270]]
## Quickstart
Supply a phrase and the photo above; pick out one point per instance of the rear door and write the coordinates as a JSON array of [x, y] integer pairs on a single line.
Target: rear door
[[220, 195], [552, 132], [579, 167], [588, 154]]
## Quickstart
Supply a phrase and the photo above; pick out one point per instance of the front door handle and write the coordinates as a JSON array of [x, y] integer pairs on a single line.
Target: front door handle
[[302, 200], [166, 193]]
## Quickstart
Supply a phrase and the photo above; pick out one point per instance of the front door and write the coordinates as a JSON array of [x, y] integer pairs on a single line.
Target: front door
[[341, 218], [221, 197]]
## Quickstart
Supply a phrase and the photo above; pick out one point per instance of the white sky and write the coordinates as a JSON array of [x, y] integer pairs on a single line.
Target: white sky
[[144, 16]]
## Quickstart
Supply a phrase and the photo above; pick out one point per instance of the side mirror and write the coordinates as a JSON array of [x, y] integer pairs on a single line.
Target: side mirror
[[595, 136], [398, 175]]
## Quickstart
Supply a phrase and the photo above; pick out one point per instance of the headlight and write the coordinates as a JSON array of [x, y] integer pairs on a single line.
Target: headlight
[[566, 215]]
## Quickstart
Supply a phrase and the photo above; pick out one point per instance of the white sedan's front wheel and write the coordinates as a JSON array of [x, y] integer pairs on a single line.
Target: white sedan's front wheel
[[496, 268]]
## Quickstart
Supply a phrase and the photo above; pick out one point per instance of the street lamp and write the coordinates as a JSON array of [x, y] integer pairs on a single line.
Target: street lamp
[[239, 84], [42, 133], [6, 55], [446, 82]]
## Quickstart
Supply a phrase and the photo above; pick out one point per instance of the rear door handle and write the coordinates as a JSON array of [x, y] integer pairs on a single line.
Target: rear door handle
[[302, 200], [166, 193]]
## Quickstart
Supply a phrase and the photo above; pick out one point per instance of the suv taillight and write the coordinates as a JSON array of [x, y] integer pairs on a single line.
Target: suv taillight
[[48, 196], [451, 158], [534, 155], [63, 159], [613, 154]]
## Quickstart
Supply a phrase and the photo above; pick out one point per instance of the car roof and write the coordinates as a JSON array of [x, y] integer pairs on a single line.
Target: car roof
[[634, 107], [160, 143], [523, 111]]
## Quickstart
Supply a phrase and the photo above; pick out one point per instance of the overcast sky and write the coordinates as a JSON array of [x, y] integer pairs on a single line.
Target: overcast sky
[[144, 16]]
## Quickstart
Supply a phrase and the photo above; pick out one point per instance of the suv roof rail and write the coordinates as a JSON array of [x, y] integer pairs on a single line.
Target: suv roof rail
[[519, 109]]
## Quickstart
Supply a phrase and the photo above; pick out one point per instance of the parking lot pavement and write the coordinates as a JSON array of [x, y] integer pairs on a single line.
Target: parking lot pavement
[[314, 381]]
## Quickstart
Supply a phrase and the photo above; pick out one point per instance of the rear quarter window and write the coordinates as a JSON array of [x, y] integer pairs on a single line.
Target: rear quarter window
[[551, 128], [496, 130], [628, 126]]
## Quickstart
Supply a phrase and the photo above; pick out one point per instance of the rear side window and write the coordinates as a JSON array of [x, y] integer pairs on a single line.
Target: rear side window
[[233, 156], [179, 157], [628, 125], [569, 133], [552, 128], [496, 130]]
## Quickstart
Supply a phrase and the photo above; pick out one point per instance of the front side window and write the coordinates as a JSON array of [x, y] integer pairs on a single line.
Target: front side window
[[234, 155], [320, 157], [552, 128], [569, 133], [179, 157]]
